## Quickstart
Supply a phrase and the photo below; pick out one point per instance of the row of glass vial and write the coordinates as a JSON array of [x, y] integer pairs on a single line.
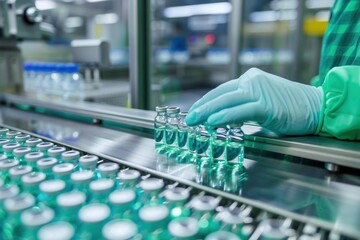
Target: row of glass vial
[[54, 80], [189, 143]]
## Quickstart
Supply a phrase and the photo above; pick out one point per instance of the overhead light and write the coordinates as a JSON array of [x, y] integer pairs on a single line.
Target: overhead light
[[44, 5], [92, 1], [316, 4], [284, 4], [73, 22], [272, 16], [198, 9], [107, 18]]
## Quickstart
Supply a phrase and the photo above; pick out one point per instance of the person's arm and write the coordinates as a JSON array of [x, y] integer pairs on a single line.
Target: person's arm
[[340, 111]]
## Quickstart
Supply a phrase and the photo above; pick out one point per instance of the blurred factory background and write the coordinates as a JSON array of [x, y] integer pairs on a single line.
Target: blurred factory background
[[193, 45]]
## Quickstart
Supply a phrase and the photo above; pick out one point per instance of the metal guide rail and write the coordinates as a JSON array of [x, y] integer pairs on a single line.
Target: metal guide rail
[[51, 188]]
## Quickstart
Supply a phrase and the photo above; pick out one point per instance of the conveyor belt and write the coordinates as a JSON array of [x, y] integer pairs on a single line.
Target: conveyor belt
[[304, 193]]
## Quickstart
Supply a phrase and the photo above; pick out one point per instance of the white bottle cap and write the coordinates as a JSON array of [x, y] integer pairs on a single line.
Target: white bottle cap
[[88, 160], [46, 163], [231, 216], [33, 178], [52, 186], [32, 142], [94, 213], [70, 155], [21, 151], [56, 231], [3, 157], [185, 227], [120, 197], [56, 151], [4, 141], [220, 235], [108, 168], [128, 175], [10, 147], [119, 230], [82, 176], [33, 156], [8, 191], [102, 185], [18, 171], [19, 202], [35, 217], [44, 146], [12, 134], [63, 169], [71, 199], [22, 137], [7, 164], [151, 184], [176, 194], [153, 213], [204, 203]]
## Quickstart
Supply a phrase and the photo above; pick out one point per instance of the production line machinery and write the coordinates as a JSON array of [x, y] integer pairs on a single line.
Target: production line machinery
[[294, 188]]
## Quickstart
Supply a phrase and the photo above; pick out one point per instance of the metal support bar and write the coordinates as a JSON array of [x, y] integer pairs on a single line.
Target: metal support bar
[[140, 54], [235, 34], [298, 42]]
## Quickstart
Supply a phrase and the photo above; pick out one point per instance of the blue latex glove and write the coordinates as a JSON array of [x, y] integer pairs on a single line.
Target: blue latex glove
[[278, 104]]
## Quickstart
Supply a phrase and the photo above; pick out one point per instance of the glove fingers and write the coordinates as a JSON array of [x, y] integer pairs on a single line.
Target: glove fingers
[[216, 92], [252, 111], [228, 100]]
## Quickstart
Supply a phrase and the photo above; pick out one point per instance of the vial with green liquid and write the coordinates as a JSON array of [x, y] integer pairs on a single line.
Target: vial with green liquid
[[108, 170], [11, 134], [44, 147], [45, 165], [5, 165], [122, 204], [12, 229], [32, 157], [235, 144], [68, 205], [176, 199], [63, 172], [17, 172], [33, 219], [159, 128], [202, 142], [71, 156], [2, 143], [81, 180], [9, 149], [88, 162], [182, 137], [21, 138], [56, 152], [153, 221], [171, 131], [120, 229], [150, 189], [32, 142], [92, 219], [19, 154], [50, 190], [63, 231], [3, 132], [31, 182], [128, 178], [100, 190], [183, 228]]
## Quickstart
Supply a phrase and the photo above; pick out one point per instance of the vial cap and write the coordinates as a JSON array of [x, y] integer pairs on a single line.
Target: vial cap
[[10, 147], [172, 110], [309, 229], [18, 171], [183, 227], [56, 231], [128, 175], [101, 185], [3, 157], [119, 230], [161, 108], [12, 134], [52, 186], [56, 151], [176, 194], [231, 216], [71, 199], [82, 176], [46, 163], [220, 235], [70, 155], [21, 151], [33, 178], [108, 168], [7, 164], [8, 191], [153, 213], [4, 141], [152, 184], [204, 203], [183, 114], [32, 142], [44, 146], [37, 216], [63, 169], [22, 137], [19, 202], [122, 196], [93, 213], [88, 160], [3, 130], [33, 156], [272, 229]]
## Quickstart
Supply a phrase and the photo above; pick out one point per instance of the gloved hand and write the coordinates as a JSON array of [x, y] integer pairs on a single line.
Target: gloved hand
[[278, 104]]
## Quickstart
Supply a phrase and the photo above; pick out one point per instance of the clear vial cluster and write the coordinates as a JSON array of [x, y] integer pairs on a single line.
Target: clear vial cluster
[[218, 153], [47, 189]]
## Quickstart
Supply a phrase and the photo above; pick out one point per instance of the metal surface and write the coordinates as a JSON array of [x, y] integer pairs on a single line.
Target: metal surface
[[301, 192], [322, 149], [91, 51], [235, 35], [140, 52]]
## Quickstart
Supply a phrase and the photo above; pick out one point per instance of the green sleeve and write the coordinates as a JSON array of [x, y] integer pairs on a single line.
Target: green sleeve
[[340, 113]]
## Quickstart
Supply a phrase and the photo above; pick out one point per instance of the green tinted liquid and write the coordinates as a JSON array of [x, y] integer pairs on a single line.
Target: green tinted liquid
[[182, 138], [170, 136], [218, 147], [202, 144], [233, 150], [159, 134], [192, 142]]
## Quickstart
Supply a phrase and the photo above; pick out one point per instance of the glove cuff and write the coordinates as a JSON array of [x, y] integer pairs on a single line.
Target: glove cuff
[[340, 111]]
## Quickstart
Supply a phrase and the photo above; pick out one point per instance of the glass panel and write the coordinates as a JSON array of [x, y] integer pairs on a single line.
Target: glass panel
[[105, 80], [190, 49]]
